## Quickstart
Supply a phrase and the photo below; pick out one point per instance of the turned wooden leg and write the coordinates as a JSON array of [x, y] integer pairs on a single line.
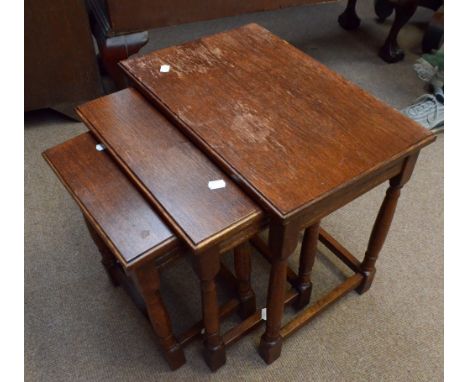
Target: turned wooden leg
[[349, 19], [306, 262], [108, 260], [242, 264], [282, 242], [207, 266], [382, 224], [378, 235], [390, 51], [146, 279]]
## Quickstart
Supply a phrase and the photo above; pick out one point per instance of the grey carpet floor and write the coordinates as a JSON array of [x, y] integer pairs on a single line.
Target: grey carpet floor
[[79, 328]]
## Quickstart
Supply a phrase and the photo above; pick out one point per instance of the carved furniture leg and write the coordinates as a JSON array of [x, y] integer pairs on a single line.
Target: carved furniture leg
[[147, 281], [383, 9], [107, 258], [434, 34], [349, 19], [242, 264], [308, 252], [390, 51], [207, 267], [113, 48], [282, 242], [382, 224]]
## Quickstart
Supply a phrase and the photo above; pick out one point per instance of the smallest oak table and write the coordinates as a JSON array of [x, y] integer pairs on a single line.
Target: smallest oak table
[[300, 139]]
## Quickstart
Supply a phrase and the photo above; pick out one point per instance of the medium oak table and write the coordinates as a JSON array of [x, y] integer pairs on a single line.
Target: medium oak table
[[175, 177], [299, 138]]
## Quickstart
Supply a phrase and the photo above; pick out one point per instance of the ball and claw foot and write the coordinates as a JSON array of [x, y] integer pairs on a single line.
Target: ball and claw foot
[[383, 9], [391, 53], [349, 20]]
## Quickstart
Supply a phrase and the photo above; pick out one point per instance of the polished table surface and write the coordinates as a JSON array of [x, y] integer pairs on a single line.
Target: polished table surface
[[287, 128], [132, 229], [170, 170]]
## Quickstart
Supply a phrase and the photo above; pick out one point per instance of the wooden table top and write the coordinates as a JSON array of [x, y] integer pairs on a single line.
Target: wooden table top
[[169, 170], [109, 200], [287, 128]]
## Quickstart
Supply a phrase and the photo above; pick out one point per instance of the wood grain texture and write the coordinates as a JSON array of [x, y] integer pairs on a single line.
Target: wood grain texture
[[169, 169], [109, 201], [287, 128]]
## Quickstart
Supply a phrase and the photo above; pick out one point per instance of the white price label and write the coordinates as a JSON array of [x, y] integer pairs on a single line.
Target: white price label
[[164, 68], [215, 184]]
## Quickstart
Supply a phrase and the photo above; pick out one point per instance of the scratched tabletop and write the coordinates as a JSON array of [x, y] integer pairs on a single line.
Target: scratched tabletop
[[283, 125]]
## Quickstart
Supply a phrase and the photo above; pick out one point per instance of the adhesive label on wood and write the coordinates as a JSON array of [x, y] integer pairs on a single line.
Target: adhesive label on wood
[[215, 184], [165, 68]]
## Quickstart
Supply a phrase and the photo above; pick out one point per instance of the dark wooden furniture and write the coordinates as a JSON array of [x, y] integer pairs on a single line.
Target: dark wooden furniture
[[404, 10], [134, 242], [434, 35], [300, 139], [120, 26], [60, 66], [128, 233], [175, 177]]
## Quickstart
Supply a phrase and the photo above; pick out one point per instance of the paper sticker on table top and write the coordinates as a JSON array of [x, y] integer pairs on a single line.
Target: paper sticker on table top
[[215, 184], [165, 68]]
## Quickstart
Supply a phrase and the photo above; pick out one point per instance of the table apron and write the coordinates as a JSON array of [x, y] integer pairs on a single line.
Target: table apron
[[338, 199]]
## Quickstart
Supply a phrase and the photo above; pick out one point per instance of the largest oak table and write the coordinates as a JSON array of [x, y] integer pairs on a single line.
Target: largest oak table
[[299, 138]]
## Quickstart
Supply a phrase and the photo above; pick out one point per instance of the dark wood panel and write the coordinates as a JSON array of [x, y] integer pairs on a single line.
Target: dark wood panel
[[109, 200], [133, 15], [60, 64], [287, 127], [170, 169]]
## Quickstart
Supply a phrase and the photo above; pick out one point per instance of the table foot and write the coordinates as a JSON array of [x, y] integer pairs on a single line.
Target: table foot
[[175, 357], [248, 306], [366, 282], [270, 350], [303, 299], [215, 357]]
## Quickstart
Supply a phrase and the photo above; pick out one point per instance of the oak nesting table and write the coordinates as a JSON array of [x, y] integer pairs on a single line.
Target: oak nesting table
[[133, 241], [175, 177], [298, 138]]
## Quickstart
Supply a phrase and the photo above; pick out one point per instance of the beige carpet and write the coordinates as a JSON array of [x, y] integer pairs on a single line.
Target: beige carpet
[[79, 328]]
